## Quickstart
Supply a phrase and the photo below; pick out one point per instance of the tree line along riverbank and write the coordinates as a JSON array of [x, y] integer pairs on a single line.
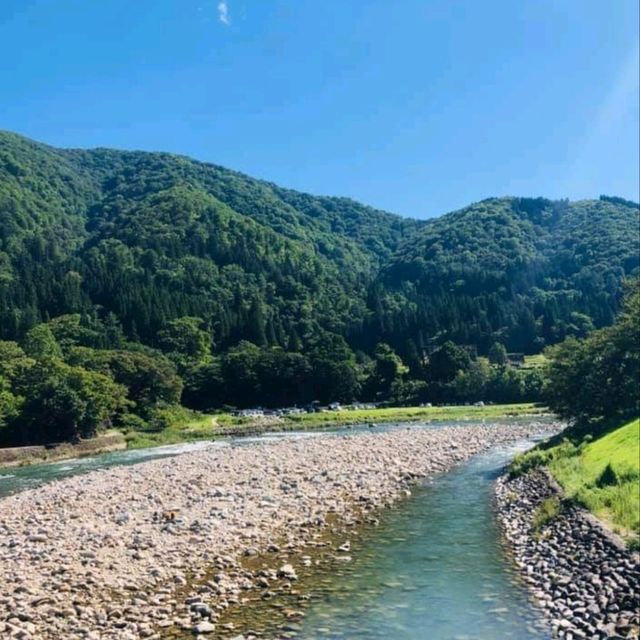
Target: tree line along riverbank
[[65, 382], [56, 387]]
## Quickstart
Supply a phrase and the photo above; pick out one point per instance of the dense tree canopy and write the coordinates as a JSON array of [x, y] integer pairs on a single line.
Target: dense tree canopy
[[598, 378], [156, 279], [523, 272]]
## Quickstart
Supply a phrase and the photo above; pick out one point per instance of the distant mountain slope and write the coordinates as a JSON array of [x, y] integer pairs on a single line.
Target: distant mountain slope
[[526, 272], [151, 237]]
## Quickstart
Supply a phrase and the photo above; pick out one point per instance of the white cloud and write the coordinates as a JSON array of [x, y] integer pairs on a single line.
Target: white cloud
[[223, 12]]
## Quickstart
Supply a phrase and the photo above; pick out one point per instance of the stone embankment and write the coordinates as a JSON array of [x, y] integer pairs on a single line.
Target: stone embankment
[[583, 577], [158, 549]]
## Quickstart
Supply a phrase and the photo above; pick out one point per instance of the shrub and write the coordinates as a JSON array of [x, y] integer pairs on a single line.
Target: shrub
[[548, 510], [524, 462], [608, 477], [132, 422]]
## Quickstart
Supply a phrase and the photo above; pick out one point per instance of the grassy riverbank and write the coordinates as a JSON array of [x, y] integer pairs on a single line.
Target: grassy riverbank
[[193, 426], [602, 475], [393, 414]]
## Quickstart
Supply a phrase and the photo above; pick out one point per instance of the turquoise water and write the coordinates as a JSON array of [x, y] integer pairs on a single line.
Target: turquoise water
[[434, 569], [15, 479]]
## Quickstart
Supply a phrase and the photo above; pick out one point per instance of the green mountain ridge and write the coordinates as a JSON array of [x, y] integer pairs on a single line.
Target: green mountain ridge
[[524, 271], [151, 237]]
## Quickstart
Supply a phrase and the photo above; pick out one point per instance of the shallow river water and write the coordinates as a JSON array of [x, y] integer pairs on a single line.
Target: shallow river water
[[433, 569], [14, 479]]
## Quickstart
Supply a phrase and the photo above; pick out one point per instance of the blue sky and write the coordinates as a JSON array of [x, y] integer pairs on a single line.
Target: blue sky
[[415, 106]]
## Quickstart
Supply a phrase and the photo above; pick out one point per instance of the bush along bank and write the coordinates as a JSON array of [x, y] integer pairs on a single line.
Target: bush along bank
[[585, 579]]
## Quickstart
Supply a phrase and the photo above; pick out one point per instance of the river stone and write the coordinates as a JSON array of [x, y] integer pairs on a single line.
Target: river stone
[[287, 571], [123, 517], [204, 627], [37, 537], [585, 578]]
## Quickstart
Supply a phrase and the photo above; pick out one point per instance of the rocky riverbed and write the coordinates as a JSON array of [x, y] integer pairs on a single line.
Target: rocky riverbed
[[160, 548], [584, 578]]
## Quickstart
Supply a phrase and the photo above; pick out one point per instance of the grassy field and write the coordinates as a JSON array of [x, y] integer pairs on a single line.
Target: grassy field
[[534, 362], [193, 426], [394, 414], [602, 475], [188, 426]]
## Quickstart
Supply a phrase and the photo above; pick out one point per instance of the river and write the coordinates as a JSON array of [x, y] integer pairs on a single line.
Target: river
[[15, 479], [434, 568]]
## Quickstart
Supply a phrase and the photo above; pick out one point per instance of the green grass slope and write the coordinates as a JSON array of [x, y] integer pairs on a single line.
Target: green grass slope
[[620, 448], [603, 475], [586, 477]]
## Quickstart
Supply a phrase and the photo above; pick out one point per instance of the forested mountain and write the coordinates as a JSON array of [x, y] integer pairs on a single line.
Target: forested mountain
[[521, 271], [152, 236], [172, 278]]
